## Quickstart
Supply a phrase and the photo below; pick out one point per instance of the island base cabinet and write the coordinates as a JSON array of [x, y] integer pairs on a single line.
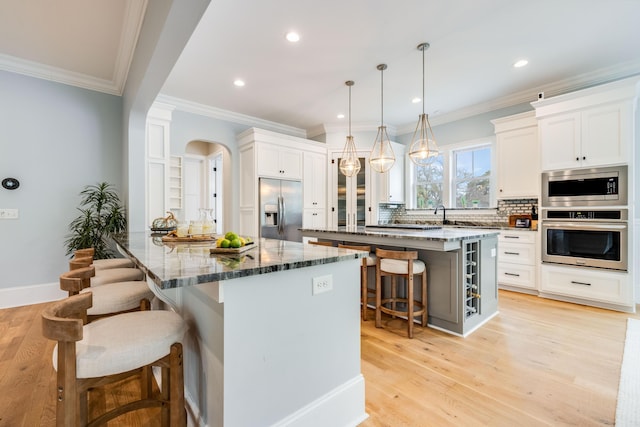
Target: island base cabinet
[[462, 286], [257, 354]]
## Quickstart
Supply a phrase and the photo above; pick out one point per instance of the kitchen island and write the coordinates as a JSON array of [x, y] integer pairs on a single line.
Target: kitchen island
[[265, 346], [462, 290]]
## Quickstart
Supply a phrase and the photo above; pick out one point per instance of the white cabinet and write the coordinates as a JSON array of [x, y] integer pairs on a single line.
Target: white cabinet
[[175, 183], [592, 127], [589, 286], [314, 218], [391, 187], [157, 163], [518, 156], [517, 260], [279, 162], [272, 155], [315, 190]]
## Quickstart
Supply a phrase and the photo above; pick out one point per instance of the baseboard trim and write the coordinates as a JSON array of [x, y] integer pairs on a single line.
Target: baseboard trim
[[31, 294], [342, 406]]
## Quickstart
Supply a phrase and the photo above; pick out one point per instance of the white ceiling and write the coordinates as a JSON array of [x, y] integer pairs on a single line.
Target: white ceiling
[[569, 44]]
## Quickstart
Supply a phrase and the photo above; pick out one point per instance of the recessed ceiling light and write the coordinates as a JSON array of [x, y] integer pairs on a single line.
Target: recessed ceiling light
[[340, 116], [238, 82], [520, 63], [416, 100], [292, 36]]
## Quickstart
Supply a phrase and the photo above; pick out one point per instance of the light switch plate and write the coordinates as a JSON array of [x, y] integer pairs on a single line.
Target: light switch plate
[[8, 213]]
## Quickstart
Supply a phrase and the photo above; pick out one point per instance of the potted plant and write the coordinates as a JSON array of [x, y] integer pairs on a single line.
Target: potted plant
[[102, 215]]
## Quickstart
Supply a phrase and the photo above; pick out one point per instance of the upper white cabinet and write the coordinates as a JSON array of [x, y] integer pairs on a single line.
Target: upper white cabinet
[[391, 189], [279, 162], [518, 156], [592, 127]]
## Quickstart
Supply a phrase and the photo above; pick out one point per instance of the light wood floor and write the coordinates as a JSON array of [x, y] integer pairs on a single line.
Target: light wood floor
[[538, 363]]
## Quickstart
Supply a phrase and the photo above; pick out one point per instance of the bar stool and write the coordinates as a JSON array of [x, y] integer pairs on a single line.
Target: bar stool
[[109, 299], [403, 264], [111, 275], [91, 356], [367, 262], [104, 264]]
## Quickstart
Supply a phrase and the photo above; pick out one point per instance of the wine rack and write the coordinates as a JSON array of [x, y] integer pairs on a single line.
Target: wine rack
[[471, 280]]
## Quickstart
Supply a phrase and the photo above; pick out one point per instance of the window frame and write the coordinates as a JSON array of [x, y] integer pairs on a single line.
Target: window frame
[[448, 162]]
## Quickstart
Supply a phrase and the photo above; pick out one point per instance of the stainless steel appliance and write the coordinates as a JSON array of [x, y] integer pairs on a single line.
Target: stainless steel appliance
[[588, 238], [280, 209], [606, 186]]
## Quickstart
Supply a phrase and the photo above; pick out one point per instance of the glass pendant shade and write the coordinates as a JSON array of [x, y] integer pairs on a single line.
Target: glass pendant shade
[[423, 149], [349, 162], [382, 157]]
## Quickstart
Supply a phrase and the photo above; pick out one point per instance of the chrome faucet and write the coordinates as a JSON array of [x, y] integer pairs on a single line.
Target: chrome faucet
[[444, 213]]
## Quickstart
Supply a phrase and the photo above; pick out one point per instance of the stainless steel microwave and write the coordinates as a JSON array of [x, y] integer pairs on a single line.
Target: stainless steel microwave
[[606, 186]]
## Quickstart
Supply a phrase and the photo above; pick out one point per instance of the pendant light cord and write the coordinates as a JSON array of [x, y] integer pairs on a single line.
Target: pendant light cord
[[349, 110], [382, 96], [423, 92]]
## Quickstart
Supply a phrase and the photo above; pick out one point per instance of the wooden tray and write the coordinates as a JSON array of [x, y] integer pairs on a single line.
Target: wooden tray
[[231, 250], [192, 239]]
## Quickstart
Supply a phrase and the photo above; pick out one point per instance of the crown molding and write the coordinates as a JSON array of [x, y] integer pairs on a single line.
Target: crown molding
[[45, 72], [331, 128], [579, 82], [132, 24], [229, 116]]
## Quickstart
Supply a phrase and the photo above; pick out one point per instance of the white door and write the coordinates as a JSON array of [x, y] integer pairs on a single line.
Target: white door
[[215, 190], [193, 168]]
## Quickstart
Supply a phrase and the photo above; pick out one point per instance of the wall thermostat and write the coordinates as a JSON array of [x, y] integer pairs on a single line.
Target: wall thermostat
[[10, 183]]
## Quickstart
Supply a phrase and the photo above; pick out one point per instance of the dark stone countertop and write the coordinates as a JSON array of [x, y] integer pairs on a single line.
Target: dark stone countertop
[[171, 265]]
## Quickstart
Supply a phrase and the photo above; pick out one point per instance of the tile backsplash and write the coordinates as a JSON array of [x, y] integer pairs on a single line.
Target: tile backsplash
[[396, 213]]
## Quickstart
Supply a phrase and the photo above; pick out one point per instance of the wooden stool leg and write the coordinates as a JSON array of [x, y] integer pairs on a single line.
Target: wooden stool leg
[[410, 304], [378, 298], [364, 290], [146, 383], [165, 395], [176, 384], [425, 300], [394, 293]]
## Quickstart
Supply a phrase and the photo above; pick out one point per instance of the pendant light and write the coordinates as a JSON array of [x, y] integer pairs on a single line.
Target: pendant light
[[423, 147], [349, 162], [382, 157]]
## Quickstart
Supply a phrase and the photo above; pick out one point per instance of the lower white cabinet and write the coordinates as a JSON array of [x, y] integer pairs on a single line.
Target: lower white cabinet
[[517, 260], [314, 218], [587, 285]]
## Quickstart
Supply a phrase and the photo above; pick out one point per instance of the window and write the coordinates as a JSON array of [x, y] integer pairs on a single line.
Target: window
[[429, 182], [460, 177], [472, 177]]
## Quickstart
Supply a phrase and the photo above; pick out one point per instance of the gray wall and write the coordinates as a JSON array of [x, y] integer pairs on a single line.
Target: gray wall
[[55, 139]]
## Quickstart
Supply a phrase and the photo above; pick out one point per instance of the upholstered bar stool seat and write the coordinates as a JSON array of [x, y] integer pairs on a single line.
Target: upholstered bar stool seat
[[119, 297], [405, 265], [108, 299], [103, 264], [367, 262], [110, 350], [114, 275]]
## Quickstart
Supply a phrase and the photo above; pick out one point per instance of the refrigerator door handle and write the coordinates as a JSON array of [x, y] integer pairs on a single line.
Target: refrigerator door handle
[[283, 213], [280, 215]]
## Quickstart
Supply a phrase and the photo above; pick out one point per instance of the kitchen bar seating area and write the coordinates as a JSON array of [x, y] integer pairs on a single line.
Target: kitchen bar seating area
[[200, 233]]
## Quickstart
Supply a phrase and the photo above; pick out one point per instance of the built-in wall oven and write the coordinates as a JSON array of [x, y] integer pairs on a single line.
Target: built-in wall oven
[[589, 238]]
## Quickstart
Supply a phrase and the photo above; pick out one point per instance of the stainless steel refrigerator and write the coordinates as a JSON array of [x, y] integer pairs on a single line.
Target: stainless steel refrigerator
[[280, 209]]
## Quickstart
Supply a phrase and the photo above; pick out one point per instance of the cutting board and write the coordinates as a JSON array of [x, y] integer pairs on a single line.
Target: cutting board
[[190, 239], [231, 250]]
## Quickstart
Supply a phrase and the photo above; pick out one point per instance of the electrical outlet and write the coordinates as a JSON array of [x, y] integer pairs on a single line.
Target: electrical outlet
[[8, 213], [322, 284]]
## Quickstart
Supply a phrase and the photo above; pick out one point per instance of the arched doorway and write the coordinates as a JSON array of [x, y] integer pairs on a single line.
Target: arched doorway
[[205, 167]]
